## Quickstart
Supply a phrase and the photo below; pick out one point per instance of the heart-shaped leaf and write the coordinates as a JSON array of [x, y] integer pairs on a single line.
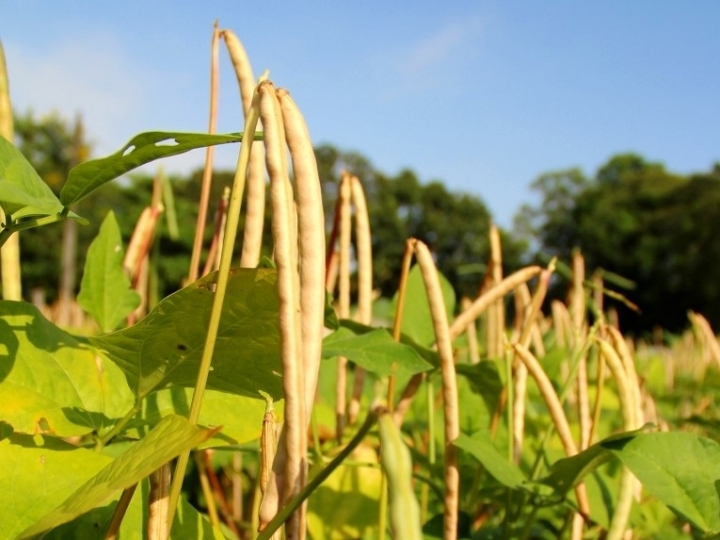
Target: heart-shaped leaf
[[681, 469], [164, 349], [105, 291], [51, 381]]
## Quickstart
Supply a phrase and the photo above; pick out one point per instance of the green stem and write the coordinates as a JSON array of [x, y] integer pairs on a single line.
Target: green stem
[[28, 224], [311, 486], [117, 428], [233, 216]]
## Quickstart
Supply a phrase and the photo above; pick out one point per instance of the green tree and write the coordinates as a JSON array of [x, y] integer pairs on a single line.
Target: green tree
[[638, 220], [454, 225]]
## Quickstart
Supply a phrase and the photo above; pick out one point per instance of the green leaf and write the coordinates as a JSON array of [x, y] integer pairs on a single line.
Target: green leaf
[[240, 417], [141, 149], [429, 355], [482, 449], [37, 475], [484, 378], [566, 473], [416, 319], [188, 522], [346, 505], [105, 291], [375, 351], [164, 349], [171, 437], [50, 381], [681, 469], [22, 191]]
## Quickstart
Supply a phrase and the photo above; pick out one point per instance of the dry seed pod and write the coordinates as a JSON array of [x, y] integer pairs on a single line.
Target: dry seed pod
[[209, 153], [629, 409], [311, 239], [343, 298], [255, 203], [10, 252], [496, 312], [556, 412], [292, 437], [141, 241], [443, 343], [483, 302], [365, 290]]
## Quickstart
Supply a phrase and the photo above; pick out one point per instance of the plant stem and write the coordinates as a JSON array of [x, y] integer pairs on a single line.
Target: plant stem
[[222, 279], [28, 224], [117, 428], [119, 513], [311, 486]]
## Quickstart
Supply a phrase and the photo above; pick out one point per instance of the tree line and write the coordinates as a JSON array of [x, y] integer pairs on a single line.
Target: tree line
[[657, 231]]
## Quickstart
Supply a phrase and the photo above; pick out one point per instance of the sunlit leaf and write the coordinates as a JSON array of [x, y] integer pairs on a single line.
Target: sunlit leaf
[[170, 437], [164, 349], [346, 504], [240, 417], [22, 191], [105, 291], [375, 351], [141, 149], [50, 381], [681, 469], [482, 449], [38, 475], [484, 379], [416, 319], [566, 473]]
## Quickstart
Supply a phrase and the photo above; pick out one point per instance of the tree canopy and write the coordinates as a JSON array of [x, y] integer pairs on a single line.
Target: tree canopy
[[636, 219]]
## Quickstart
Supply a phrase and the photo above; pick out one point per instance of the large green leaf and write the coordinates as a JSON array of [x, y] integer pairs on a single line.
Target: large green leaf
[[50, 381], [417, 321], [169, 438], [481, 448], [37, 475], [188, 522], [141, 149], [105, 291], [375, 351], [22, 191], [240, 417], [484, 378], [681, 469], [346, 504], [566, 473], [164, 349]]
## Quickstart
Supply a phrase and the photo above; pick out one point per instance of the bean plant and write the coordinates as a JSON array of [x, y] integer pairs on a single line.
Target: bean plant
[[272, 396]]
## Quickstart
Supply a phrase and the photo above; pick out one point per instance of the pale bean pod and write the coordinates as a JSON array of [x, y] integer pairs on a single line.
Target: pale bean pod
[[365, 289], [289, 457], [255, 202], [443, 343]]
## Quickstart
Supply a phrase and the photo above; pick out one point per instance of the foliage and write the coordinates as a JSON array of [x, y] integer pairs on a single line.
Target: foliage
[[401, 206], [635, 219]]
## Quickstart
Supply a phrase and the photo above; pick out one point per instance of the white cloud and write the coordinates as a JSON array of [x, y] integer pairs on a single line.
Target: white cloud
[[434, 50], [92, 75]]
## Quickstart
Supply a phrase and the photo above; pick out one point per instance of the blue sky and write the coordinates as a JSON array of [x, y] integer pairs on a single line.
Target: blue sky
[[484, 96]]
